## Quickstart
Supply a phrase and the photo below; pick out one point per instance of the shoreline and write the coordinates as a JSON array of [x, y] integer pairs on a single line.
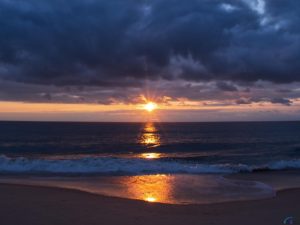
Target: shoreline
[[60, 188], [29, 205], [267, 186]]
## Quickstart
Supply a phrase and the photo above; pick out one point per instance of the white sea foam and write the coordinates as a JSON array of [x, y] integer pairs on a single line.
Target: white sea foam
[[115, 165], [285, 164]]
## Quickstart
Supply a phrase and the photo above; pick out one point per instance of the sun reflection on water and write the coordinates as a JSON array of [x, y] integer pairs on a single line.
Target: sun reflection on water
[[149, 127], [150, 155], [150, 188], [150, 136]]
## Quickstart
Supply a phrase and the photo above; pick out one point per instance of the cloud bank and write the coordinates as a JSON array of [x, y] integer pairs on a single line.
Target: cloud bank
[[105, 51]]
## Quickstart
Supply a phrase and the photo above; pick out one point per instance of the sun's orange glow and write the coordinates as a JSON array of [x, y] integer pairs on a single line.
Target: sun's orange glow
[[150, 106], [174, 110]]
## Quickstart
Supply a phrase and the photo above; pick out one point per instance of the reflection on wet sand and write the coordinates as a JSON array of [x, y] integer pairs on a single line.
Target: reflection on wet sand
[[172, 189], [150, 188], [187, 189], [149, 136]]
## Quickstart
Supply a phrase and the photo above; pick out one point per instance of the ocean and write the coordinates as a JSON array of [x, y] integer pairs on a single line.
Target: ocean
[[104, 157]]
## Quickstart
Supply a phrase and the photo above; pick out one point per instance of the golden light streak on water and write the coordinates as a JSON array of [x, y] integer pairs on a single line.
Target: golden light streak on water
[[150, 155], [150, 136]]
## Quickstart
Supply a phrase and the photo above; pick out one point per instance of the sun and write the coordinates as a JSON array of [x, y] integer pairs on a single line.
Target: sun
[[150, 106], [150, 199]]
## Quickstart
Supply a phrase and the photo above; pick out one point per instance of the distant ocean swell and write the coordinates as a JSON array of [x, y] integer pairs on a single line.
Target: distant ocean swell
[[128, 166]]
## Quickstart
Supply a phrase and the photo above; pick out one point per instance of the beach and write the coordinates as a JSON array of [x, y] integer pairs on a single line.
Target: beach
[[154, 173], [30, 205]]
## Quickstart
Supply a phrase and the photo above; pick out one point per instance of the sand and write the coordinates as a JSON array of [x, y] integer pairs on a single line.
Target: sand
[[29, 205]]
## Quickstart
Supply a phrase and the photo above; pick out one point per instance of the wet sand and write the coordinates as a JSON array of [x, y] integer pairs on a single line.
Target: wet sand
[[278, 180], [30, 205]]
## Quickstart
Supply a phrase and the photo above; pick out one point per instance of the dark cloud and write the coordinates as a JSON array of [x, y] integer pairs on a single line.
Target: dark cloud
[[99, 42], [276, 100], [226, 86], [122, 43], [47, 96], [283, 101]]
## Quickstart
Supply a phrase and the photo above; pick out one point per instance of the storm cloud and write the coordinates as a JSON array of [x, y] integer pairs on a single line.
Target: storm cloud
[[120, 44]]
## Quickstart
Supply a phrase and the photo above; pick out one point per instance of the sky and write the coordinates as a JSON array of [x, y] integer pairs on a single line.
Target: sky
[[199, 60]]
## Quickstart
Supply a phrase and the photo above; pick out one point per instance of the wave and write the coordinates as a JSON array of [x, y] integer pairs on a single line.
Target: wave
[[115, 165]]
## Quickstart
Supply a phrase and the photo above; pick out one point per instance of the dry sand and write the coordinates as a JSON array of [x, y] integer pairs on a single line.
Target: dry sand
[[29, 205]]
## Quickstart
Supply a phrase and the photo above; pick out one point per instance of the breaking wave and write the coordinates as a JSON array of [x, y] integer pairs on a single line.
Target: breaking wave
[[116, 165]]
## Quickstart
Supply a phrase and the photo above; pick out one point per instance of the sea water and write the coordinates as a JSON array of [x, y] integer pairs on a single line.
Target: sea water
[[156, 162]]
